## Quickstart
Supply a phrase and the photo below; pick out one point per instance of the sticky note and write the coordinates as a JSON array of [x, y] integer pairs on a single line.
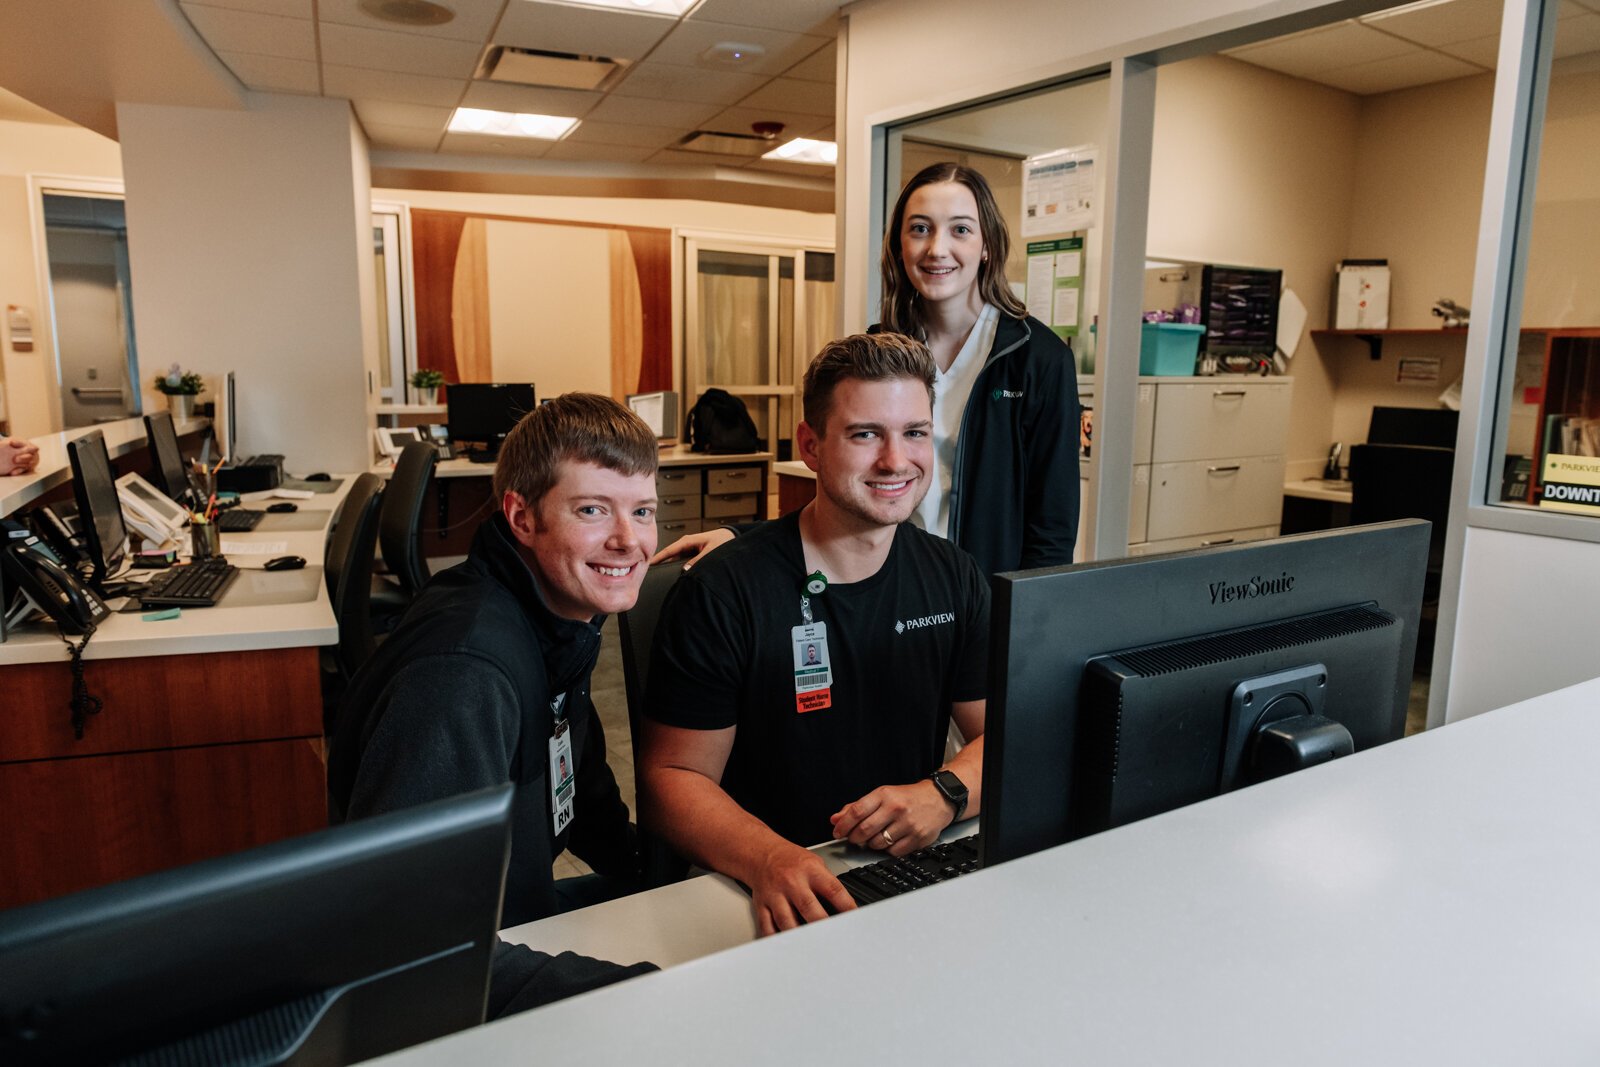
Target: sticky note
[[163, 616]]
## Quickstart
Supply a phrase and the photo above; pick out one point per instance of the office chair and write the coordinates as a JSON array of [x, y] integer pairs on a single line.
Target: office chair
[[400, 534], [348, 567], [658, 864]]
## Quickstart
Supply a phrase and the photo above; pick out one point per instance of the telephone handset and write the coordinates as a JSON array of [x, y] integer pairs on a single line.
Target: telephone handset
[[54, 532], [51, 587]]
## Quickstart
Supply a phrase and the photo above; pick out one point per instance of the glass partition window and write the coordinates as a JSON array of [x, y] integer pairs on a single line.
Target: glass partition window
[[1547, 433]]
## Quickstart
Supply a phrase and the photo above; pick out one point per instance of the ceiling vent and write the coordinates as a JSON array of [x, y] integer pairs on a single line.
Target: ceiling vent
[[725, 144], [560, 70]]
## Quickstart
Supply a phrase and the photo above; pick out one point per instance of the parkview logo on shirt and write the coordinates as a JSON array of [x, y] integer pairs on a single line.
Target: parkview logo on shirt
[[1007, 394], [927, 620]]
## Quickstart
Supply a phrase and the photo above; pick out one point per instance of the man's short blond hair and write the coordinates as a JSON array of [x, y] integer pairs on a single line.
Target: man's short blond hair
[[575, 427], [867, 357]]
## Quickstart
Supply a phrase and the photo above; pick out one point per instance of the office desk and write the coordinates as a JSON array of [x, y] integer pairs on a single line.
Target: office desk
[[122, 438], [1430, 901], [1318, 489], [208, 741]]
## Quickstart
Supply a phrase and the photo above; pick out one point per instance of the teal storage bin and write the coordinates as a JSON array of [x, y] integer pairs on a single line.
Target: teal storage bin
[[1170, 348]]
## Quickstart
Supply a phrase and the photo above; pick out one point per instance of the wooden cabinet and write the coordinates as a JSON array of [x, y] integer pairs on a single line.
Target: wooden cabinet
[[699, 492]]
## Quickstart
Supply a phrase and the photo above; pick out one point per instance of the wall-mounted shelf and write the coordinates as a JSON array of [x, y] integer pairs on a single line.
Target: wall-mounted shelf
[[1374, 338], [410, 409]]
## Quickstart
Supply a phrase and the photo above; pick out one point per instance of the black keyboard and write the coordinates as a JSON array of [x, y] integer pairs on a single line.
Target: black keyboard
[[196, 585], [235, 520], [890, 877]]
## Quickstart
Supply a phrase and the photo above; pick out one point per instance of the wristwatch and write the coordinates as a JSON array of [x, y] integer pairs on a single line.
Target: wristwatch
[[952, 789]]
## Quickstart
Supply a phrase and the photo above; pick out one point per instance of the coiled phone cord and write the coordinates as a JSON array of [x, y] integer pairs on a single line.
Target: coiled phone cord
[[84, 703]]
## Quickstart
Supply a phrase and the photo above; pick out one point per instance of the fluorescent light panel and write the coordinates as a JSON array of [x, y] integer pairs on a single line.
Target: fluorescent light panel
[[510, 124], [805, 150], [674, 8]]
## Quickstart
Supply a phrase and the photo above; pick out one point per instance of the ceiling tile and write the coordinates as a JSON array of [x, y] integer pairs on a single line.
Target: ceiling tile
[[699, 159], [811, 98], [597, 153], [502, 96], [663, 81], [637, 111], [820, 66], [412, 116], [226, 30], [473, 144], [824, 134], [474, 19], [583, 30], [1576, 36], [1341, 45], [796, 16], [400, 138], [357, 84], [804, 170], [611, 133], [1485, 51], [405, 53], [685, 45], [1399, 72], [1459, 20], [272, 73], [294, 9], [739, 120]]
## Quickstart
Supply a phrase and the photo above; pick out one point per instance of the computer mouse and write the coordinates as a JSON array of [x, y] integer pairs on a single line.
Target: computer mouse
[[320, 476], [285, 563], [285, 506]]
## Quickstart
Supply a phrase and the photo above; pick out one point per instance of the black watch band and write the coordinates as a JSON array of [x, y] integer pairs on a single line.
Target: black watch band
[[952, 789]]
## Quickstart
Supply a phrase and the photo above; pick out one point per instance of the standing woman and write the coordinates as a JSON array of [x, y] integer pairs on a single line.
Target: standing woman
[[1005, 411]]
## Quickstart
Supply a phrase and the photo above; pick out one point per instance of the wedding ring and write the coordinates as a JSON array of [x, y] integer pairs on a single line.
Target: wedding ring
[[886, 838]]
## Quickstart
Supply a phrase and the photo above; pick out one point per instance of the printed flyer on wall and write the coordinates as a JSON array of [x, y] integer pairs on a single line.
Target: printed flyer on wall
[[1571, 483]]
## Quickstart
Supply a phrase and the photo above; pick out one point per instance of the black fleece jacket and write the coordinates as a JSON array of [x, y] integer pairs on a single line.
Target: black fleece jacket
[[458, 698], [1014, 490]]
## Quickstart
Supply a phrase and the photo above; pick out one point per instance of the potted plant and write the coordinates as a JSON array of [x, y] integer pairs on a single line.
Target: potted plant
[[180, 387], [426, 383]]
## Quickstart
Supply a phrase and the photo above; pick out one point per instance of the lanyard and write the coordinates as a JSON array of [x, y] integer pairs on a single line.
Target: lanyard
[[816, 584]]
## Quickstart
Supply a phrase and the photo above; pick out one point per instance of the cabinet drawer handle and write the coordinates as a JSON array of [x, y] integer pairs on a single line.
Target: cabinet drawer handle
[[672, 477], [96, 390], [734, 474], [1222, 470], [1228, 392], [1224, 541], [670, 503]]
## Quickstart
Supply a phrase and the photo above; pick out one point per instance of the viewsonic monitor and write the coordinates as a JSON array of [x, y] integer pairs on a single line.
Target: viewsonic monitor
[[334, 947], [94, 485], [1126, 688], [167, 470]]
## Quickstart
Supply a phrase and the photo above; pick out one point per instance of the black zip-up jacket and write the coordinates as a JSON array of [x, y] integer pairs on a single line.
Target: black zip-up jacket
[[459, 697], [1014, 490]]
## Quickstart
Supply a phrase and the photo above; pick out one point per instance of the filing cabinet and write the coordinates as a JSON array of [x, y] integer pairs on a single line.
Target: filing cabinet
[[705, 494]]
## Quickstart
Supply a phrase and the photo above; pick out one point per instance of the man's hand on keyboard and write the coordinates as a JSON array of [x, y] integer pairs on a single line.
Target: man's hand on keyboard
[[914, 816], [795, 886]]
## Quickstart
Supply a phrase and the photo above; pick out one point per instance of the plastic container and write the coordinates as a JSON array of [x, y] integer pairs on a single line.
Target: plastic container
[[1170, 348]]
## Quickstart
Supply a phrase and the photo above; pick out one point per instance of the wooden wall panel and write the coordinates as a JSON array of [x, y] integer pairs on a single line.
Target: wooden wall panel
[[470, 305], [627, 318], [652, 257], [435, 242]]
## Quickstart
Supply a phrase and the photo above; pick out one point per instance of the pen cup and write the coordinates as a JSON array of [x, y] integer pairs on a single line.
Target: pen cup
[[207, 539]]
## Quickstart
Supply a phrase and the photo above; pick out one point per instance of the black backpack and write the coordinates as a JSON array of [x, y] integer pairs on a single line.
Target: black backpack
[[719, 423]]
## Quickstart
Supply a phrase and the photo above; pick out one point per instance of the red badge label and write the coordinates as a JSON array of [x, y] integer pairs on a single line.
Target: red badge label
[[814, 700]]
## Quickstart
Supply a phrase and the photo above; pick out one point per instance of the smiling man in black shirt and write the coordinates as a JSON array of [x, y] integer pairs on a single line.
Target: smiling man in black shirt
[[804, 677]]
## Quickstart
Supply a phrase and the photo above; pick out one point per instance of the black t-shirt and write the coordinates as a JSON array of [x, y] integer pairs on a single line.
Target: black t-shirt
[[903, 645]]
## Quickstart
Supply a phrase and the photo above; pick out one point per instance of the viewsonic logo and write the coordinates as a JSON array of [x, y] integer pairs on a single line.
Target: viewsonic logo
[[1226, 593]]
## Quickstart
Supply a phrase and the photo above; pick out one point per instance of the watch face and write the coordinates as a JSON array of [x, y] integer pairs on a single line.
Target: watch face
[[950, 785]]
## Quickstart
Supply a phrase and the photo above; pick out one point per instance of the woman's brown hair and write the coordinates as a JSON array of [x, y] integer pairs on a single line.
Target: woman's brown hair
[[901, 309]]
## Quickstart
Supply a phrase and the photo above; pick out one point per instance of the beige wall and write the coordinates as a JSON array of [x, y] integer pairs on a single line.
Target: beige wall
[[60, 151], [547, 325]]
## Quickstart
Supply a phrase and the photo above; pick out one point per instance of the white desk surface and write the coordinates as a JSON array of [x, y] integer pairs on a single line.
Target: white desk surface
[[1318, 489], [1430, 901], [676, 456], [122, 437], [278, 609], [794, 468]]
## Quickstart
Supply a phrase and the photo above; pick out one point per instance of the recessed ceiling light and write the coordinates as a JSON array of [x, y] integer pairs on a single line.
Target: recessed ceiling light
[[510, 124], [805, 150], [408, 12], [674, 8]]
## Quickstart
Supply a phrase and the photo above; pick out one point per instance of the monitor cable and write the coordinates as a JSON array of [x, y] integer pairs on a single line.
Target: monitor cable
[[84, 703]]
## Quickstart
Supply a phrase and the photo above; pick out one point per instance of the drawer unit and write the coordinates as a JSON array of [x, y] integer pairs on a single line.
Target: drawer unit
[[1224, 537], [732, 505], [1219, 417], [678, 507], [670, 531], [724, 480], [678, 481], [1205, 495]]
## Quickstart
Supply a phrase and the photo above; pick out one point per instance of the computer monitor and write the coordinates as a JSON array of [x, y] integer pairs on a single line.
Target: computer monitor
[[1435, 427], [167, 470], [484, 412], [659, 412], [94, 484], [225, 419], [333, 947], [1129, 687]]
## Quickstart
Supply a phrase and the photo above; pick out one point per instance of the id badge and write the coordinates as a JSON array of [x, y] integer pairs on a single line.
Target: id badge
[[562, 780], [813, 677]]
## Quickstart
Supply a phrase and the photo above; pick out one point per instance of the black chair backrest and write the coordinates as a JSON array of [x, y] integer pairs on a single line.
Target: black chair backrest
[[349, 571], [1403, 482], [658, 864], [400, 522]]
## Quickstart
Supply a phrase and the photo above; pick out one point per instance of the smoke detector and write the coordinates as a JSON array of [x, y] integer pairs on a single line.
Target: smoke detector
[[732, 53], [408, 12]]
